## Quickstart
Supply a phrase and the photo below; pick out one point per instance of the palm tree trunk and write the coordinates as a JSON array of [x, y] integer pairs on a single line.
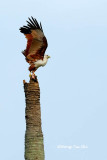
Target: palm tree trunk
[[34, 147]]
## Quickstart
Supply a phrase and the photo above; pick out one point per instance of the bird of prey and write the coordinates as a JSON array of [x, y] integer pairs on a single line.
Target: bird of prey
[[36, 45]]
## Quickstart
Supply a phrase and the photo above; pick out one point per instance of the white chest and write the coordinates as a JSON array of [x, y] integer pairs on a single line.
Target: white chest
[[40, 63]]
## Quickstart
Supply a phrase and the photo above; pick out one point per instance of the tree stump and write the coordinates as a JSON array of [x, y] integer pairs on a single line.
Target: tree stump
[[34, 147]]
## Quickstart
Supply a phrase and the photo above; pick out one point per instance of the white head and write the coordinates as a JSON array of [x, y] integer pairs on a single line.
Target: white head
[[46, 56]]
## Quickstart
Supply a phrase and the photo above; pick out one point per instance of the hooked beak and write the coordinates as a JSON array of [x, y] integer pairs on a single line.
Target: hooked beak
[[49, 57]]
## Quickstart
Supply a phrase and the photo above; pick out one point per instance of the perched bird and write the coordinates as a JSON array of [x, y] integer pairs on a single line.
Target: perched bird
[[36, 45]]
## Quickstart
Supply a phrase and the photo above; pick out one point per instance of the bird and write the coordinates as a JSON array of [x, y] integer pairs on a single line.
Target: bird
[[36, 45]]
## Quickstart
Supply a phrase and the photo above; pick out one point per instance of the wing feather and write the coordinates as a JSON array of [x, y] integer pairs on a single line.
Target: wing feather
[[35, 22], [36, 41], [32, 23]]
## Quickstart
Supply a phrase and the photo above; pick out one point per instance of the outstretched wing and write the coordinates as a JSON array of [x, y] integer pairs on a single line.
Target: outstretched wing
[[36, 41]]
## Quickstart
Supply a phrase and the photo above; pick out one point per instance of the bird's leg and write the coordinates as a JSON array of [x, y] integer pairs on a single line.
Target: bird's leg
[[33, 75], [33, 72]]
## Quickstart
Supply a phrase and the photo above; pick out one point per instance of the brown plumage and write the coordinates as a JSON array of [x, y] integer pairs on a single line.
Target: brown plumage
[[36, 42]]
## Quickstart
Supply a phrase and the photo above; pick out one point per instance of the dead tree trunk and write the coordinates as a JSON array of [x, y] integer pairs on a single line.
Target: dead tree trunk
[[34, 147]]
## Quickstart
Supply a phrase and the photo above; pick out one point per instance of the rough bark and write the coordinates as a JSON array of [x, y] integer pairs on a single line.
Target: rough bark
[[34, 147]]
